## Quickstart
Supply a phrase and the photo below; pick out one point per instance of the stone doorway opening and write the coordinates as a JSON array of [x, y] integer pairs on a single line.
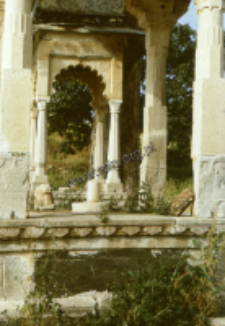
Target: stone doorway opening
[[77, 102]]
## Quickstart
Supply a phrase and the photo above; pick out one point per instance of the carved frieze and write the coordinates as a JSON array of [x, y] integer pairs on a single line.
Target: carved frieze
[[43, 231]]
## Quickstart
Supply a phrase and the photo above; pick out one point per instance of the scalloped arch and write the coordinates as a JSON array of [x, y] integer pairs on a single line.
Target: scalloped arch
[[90, 78], [86, 71]]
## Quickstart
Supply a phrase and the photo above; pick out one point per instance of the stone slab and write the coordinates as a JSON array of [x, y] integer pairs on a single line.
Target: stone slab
[[181, 202], [210, 186], [88, 207]]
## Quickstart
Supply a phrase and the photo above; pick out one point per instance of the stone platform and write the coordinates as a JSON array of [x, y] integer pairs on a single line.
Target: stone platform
[[121, 243]]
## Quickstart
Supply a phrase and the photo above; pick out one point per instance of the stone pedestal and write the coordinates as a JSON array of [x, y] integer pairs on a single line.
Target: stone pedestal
[[208, 147], [14, 185], [153, 168], [113, 182]]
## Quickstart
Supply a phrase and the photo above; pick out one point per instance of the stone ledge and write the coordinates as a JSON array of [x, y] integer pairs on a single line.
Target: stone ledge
[[120, 225]]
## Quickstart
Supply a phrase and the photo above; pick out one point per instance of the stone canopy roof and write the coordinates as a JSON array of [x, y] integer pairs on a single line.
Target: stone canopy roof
[[80, 13], [85, 7]]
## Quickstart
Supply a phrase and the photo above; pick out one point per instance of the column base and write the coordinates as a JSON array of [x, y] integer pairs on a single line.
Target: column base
[[38, 181], [14, 185], [155, 179], [43, 198], [88, 207], [209, 186], [113, 187]]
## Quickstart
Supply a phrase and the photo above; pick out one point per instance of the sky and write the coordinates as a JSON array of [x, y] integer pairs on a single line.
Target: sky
[[191, 17]]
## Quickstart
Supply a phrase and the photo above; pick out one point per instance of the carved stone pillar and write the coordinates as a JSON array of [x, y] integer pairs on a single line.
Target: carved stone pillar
[[15, 108], [94, 187], [157, 19], [153, 168], [16, 74], [99, 148], [41, 177], [113, 180], [208, 146]]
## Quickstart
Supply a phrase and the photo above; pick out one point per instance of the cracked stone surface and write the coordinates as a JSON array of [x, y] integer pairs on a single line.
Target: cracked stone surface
[[210, 187]]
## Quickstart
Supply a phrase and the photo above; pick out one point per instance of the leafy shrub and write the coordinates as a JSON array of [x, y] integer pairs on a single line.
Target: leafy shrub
[[175, 295]]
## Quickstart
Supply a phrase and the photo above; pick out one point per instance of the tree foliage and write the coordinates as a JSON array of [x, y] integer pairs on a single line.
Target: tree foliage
[[70, 114], [180, 77]]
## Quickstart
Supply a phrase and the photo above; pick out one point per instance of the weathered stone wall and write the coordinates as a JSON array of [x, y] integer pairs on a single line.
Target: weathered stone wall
[[84, 272]]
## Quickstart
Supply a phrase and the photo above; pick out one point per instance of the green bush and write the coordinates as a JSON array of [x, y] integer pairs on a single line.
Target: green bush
[[178, 294], [175, 295]]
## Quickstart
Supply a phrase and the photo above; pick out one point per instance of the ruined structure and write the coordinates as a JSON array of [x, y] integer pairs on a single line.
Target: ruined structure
[[36, 48]]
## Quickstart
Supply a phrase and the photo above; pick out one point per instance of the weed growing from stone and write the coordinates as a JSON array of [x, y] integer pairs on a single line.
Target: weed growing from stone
[[141, 202], [103, 215]]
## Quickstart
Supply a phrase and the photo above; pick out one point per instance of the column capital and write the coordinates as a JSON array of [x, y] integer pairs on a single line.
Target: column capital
[[210, 4], [43, 99], [163, 14], [42, 105], [100, 115], [115, 106]]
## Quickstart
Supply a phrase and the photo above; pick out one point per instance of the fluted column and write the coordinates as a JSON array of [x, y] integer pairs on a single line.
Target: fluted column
[[33, 139], [113, 180], [153, 168], [208, 146], [41, 146]]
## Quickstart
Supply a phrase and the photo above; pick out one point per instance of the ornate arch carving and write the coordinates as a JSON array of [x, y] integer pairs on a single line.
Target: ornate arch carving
[[91, 79], [100, 67], [58, 51]]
